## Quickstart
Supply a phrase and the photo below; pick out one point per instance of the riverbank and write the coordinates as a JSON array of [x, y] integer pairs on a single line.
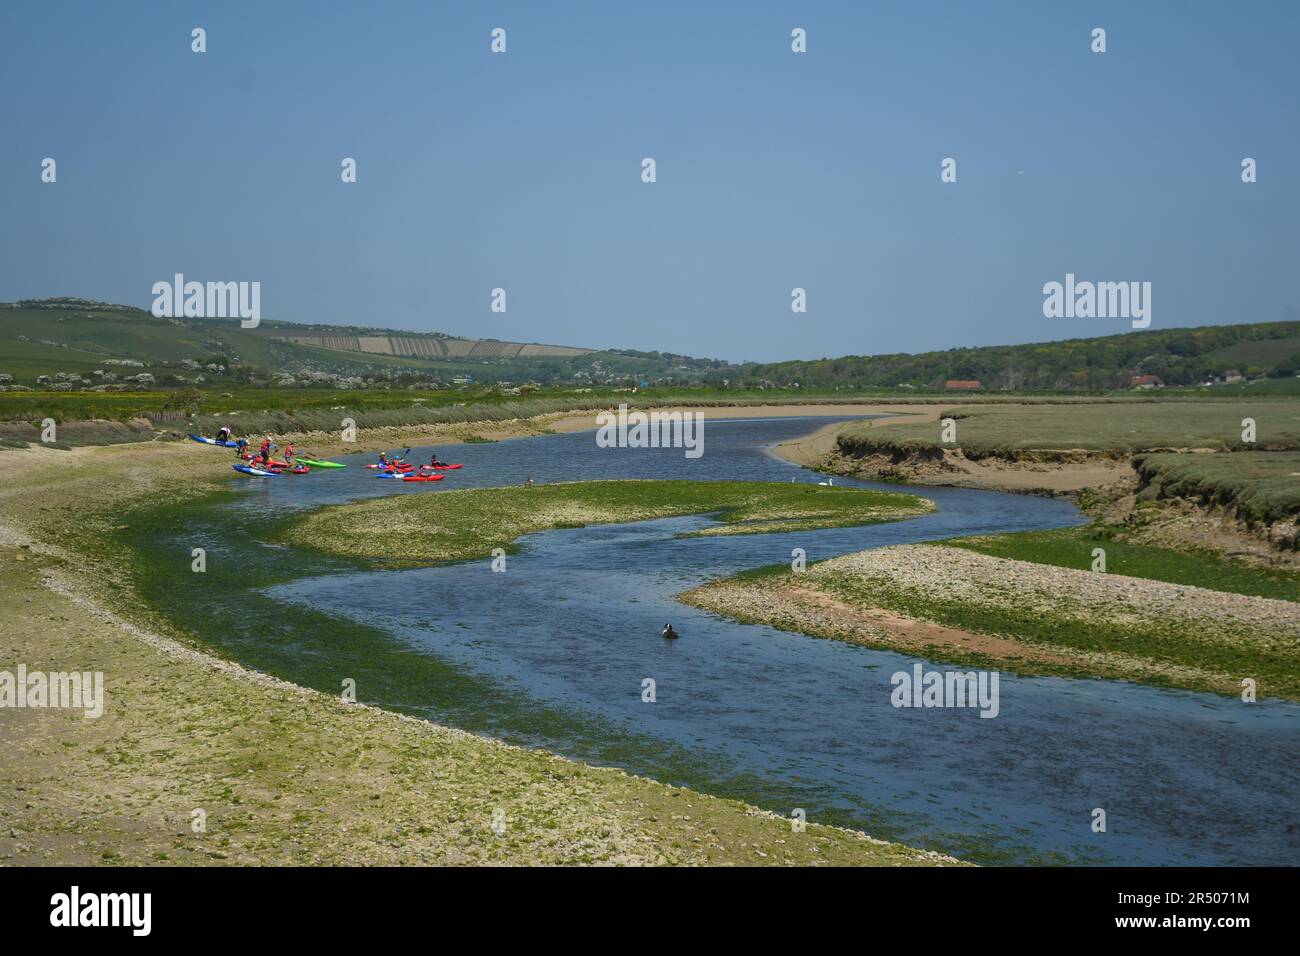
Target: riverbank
[[282, 774], [822, 451], [1042, 448]]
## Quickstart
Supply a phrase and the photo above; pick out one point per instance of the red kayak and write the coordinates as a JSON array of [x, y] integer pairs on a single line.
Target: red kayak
[[400, 466], [440, 467], [273, 463], [298, 470], [423, 477]]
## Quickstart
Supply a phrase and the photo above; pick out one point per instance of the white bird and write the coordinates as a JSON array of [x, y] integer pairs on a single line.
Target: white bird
[[828, 481]]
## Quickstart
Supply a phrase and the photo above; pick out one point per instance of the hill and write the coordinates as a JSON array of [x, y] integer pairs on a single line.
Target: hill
[[1176, 356], [72, 338]]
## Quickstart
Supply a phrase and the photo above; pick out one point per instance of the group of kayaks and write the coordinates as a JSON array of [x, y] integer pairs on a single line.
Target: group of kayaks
[[271, 468], [397, 468], [393, 469]]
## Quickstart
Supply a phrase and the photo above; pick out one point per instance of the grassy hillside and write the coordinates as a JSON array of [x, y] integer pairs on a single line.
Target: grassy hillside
[[46, 337], [1178, 356]]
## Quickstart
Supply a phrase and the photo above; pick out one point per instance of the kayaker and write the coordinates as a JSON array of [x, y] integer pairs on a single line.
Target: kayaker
[[435, 463], [383, 460], [669, 633], [528, 483], [264, 453], [241, 448], [223, 433], [288, 454]]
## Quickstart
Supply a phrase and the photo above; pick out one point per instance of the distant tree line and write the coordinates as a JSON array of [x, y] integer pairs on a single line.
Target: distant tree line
[[1177, 356]]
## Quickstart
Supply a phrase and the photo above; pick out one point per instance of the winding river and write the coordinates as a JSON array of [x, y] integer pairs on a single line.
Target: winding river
[[570, 631]]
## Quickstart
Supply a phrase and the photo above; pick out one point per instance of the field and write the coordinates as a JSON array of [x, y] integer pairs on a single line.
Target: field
[[454, 525], [1022, 431]]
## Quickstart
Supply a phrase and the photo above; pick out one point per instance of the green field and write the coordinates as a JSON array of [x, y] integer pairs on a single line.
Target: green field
[[452, 525], [1073, 547], [1261, 353], [1021, 430]]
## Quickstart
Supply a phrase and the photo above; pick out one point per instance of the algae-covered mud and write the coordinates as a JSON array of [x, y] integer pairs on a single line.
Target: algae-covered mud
[[1033, 618], [465, 524]]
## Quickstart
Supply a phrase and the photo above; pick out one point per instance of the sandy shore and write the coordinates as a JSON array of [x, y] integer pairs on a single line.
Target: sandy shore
[[279, 774]]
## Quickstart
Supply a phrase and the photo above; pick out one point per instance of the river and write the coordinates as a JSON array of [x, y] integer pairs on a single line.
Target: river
[[783, 720]]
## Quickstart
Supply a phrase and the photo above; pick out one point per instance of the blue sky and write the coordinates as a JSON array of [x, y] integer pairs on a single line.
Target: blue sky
[[775, 170]]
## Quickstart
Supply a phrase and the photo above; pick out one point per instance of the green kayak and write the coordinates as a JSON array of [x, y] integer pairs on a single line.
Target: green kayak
[[319, 464]]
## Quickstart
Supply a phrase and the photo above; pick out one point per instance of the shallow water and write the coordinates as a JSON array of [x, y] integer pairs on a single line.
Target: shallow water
[[573, 624]]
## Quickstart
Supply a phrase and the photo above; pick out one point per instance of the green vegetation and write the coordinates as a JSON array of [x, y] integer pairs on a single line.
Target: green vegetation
[[1077, 628], [1021, 430], [1030, 619], [1072, 548], [1259, 487], [1177, 356], [452, 525]]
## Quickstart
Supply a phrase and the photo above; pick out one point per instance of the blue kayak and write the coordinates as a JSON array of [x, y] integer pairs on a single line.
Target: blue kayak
[[256, 472], [388, 475], [212, 441]]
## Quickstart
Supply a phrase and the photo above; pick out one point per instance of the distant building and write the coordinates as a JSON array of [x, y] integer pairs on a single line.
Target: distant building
[[1147, 381], [970, 385]]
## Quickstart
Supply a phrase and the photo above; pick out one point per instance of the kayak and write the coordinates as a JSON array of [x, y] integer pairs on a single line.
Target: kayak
[[321, 464], [440, 467], [419, 477], [300, 470], [213, 441], [256, 472], [389, 474], [401, 466], [273, 463]]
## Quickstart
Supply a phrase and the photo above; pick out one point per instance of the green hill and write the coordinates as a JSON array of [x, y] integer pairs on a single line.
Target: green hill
[[1177, 356], [64, 335]]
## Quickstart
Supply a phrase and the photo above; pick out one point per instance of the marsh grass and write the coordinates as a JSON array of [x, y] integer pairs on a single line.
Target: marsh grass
[[1073, 547], [1261, 487], [452, 525], [1121, 429]]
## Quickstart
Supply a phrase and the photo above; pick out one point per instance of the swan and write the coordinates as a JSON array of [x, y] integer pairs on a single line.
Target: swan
[[829, 482]]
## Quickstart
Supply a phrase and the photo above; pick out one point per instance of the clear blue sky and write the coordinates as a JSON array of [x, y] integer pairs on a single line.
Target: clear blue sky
[[775, 170]]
